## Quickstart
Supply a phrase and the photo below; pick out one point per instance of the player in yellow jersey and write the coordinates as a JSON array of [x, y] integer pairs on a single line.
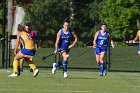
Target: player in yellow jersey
[[27, 52], [32, 34], [137, 38]]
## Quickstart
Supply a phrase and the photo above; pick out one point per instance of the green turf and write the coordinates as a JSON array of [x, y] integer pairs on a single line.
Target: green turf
[[77, 82], [122, 58], [125, 58]]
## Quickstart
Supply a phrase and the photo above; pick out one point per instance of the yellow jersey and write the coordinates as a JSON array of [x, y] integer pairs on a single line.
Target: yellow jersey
[[138, 33], [27, 41]]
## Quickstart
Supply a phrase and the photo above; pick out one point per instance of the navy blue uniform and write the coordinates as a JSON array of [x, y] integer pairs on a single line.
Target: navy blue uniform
[[64, 40], [101, 43]]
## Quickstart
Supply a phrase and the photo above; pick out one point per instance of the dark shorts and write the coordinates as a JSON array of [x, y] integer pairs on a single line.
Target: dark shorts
[[62, 49]]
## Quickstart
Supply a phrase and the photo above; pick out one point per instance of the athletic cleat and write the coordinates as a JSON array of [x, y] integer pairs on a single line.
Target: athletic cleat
[[54, 69], [100, 74], [104, 73], [36, 72], [13, 75], [65, 75]]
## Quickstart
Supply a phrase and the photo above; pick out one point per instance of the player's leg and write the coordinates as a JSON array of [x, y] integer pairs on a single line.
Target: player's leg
[[15, 64], [139, 50], [31, 70], [21, 64], [32, 66], [102, 64], [65, 63], [56, 64], [98, 62], [97, 53], [98, 59]]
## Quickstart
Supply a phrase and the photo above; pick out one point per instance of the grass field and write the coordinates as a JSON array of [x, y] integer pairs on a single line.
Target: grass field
[[77, 82], [123, 78]]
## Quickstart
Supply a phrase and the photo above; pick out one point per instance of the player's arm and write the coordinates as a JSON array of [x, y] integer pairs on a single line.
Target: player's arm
[[17, 43], [136, 38], [111, 41], [57, 41], [34, 39], [95, 39], [75, 39]]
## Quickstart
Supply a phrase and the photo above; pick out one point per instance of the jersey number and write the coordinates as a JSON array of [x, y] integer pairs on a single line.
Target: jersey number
[[101, 42]]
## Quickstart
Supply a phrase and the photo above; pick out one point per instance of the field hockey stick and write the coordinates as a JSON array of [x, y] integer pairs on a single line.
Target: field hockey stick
[[44, 57]]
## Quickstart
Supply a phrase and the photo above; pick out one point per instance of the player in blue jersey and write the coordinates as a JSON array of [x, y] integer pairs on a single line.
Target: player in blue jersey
[[100, 43], [63, 45]]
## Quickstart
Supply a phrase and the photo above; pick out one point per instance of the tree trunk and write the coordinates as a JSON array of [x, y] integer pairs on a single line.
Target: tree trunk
[[18, 19], [10, 15]]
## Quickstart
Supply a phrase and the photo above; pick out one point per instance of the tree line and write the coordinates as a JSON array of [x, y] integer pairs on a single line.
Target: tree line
[[122, 16]]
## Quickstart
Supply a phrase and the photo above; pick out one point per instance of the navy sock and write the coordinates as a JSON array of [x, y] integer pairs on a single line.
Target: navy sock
[[58, 64], [98, 64], [64, 63], [101, 67], [104, 67]]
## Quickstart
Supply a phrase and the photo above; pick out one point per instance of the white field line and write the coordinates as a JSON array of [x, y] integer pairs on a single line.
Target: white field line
[[77, 91]]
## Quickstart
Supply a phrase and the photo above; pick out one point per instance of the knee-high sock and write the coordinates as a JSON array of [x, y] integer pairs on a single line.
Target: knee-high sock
[[58, 64], [31, 64], [15, 66], [104, 67], [98, 64], [64, 63], [101, 67]]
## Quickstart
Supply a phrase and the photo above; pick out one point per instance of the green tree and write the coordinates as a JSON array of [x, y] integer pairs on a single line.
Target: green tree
[[94, 9], [47, 15], [121, 16], [83, 22]]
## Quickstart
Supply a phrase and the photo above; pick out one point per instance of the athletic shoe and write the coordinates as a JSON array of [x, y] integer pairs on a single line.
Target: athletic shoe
[[13, 75], [54, 69], [100, 74], [36, 72], [104, 73], [65, 75]]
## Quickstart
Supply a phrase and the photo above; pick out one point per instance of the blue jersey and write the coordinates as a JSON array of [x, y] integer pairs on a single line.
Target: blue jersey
[[102, 40], [64, 40]]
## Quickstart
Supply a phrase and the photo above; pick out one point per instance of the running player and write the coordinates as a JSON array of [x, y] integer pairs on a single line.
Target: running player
[[63, 45], [27, 52], [100, 43]]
